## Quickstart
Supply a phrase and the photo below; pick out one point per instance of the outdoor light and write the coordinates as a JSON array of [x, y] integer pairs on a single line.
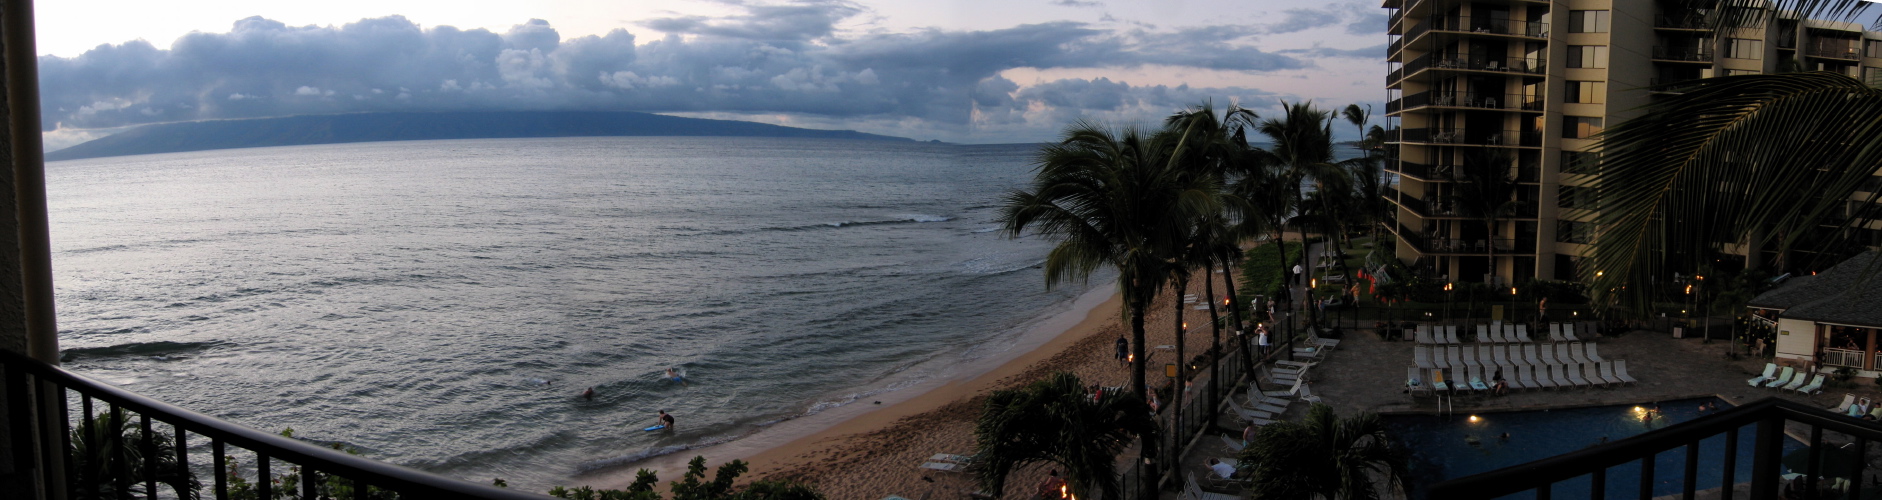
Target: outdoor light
[[1688, 289], [1512, 290], [1447, 287], [1473, 418], [1598, 274]]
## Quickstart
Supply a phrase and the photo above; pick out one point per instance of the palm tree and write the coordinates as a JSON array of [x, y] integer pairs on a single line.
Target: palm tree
[[1059, 421], [1112, 200], [1487, 192], [109, 461], [1765, 139], [1325, 456]]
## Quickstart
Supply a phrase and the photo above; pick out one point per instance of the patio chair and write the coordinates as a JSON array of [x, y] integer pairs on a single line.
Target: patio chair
[[1526, 375], [1555, 332], [1257, 398], [1437, 381], [1522, 334], [1620, 370], [1591, 353], [1476, 380], [1848, 399], [1483, 331], [944, 467], [1574, 374], [1450, 334], [1797, 381], [1422, 356], [1423, 335], [1607, 373], [1856, 411], [1470, 357], [1568, 334], [1290, 392], [1415, 380], [1548, 356], [1233, 443], [1494, 336], [1294, 365], [1253, 417], [1507, 361], [1306, 394], [1455, 355], [1529, 355], [1540, 375], [1193, 491], [1783, 377], [1769, 370], [1815, 386], [1593, 374]]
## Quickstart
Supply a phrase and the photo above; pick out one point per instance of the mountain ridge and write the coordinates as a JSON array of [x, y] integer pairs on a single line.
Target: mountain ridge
[[417, 126]]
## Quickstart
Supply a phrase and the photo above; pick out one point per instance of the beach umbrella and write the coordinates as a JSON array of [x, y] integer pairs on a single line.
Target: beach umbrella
[[1836, 462]]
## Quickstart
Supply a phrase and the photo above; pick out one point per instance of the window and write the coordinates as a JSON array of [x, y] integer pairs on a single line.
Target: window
[[1586, 92], [1580, 162], [1587, 56], [1872, 48], [1743, 48], [1872, 76], [1568, 231], [1576, 197], [1587, 21], [1580, 127], [1736, 72]]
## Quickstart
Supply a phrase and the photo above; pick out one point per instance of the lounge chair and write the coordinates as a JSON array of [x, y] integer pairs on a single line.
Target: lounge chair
[[1526, 374], [1568, 334], [1454, 355], [1294, 365], [1848, 399], [1815, 386], [1483, 331], [1437, 381], [1529, 355], [1574, 375], [1522, 334], [1470, 357], [1769, 369], [1421, 355], [952, 457], [1328, 343], [1607, 373], [1496, 353], [1555, 332], [944, 467], [1476, 380], [1415, 380], [1423, 336], [1495, 337], [1193, 491], [1253, 417], [1233, 443], [1856, 411], [1574, 352], [1620, 370], [1541, 375], [1290, 392], [1797, 381], [1548, 355], [1783, 377], [1306, 394], [1593, 374], [1591, 352]]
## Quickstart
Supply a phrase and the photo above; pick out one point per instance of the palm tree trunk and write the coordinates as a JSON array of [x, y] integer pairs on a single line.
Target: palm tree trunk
[[1215, 335], [1235, 311], [1181, 382], [1147, 443]]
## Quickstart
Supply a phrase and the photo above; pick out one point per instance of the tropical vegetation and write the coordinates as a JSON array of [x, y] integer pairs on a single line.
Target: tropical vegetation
[[1324, 456], [693, 486], [1061, 422]]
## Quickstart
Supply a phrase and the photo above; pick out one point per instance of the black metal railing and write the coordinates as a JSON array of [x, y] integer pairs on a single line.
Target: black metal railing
[[1394, 76], [1469, 100], [40, 391], [1769, 416], [1487, 25], [1521, 65], [1471, 136], [1692, 21], [1684, 54], [1838, 49]]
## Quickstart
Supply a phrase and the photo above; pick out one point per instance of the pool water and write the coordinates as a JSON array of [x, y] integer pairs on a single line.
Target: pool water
[[1454, 446]]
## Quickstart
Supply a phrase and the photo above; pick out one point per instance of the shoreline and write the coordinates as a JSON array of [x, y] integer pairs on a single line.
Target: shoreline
[[773, 448]]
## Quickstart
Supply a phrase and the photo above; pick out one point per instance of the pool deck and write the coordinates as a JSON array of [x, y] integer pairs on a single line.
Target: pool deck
[[1366, 374]]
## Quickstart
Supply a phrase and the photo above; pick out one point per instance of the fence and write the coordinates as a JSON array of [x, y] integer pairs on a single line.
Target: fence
[[162, 435]]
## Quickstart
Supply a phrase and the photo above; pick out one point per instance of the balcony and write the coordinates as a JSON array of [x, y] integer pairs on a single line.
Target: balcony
[[1770, 416], [46, 391], [1843, 357], [1837, 49], [1509, 102], [1429, 245], [1688, 22], [1692, 54], [1471, 137], [1471, 25], [1514, 65]]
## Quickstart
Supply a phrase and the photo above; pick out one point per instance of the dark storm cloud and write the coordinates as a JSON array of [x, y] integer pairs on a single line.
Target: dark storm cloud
[[772, 59]]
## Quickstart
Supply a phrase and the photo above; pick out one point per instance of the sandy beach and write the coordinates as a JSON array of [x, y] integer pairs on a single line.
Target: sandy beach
[[870, 451]]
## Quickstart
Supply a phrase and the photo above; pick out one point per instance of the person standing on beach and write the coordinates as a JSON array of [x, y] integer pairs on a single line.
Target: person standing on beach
[[1123, 350]]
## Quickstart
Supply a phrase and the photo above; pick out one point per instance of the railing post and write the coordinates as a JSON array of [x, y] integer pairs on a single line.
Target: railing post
[[1767, 452], [1730, 476]]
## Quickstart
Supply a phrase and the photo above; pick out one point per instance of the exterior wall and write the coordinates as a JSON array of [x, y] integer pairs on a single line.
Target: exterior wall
[[1796, 341]]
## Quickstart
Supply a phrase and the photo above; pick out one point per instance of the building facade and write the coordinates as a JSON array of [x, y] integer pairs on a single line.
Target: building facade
[[1826, 321], [1515, 88]]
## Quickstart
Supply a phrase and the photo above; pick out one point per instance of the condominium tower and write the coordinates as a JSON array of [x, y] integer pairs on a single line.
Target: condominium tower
[[1515, 88]]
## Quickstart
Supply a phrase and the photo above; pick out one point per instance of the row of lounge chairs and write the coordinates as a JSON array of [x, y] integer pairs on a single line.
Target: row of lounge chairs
[[1504, 333], [1789, 380], [1475, 378], [1852, 409], [1428, 357]]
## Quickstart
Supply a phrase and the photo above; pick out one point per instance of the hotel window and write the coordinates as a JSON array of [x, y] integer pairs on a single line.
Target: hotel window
[[1580, 127], [1568, 231], [1872, 76], [1587, 21], [1580, 162], [1736, 72], [1742, 48], [1586, 92], [1587, 56], [1872, 48]]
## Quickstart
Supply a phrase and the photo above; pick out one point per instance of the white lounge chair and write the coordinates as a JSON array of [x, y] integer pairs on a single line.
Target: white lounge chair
[[1233, 443], [1607, 373], [1306, 394], [1797, 381], [1423, 335], [1620, 370], [944, 467], [1437, 381], [1470, 357], [1494, 337], [1450, 334], [1421, 355], [1522, 334], [1542, 377], [1592, 356], [1529, 355], [1526, 374], [1568, 334], [1574, 352], [1476, 380], [1815, 386], [1483, 331], [1856, 411], [1593, 374], [1573, 372], [1257, 418], [1848, 399], [1496, 353], [1548, 355], [1290, 392], [1454, 355], [1193, 490], [1555, 332], [1415, 380], [1769, 370], [1783, 377]]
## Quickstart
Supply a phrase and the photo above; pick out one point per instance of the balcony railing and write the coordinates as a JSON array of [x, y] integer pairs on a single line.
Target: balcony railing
[[1520, 65], [1429, 245], [1468, 100], [1844, 50], [1472, 137], [1687, 22], [1683, 54], [1769, 416], [1843, 357], [1489, 26], [1397, 43], [40, 391]]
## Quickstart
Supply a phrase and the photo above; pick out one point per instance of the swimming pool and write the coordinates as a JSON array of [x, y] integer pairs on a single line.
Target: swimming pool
[[1454, 446]]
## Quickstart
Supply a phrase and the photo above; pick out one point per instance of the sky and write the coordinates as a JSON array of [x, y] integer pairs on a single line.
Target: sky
[[968, 71]]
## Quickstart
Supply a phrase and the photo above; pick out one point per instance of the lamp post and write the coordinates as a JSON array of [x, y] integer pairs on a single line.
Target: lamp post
[[1448, 299], [1512, 305]]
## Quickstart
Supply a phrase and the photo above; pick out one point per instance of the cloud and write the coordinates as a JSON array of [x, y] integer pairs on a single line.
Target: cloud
[[1077, 3], [764, 61]]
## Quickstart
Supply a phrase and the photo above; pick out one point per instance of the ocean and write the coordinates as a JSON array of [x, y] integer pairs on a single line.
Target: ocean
[[441, 304]]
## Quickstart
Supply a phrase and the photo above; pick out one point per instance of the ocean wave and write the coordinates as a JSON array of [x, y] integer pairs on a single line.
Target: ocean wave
[[161, 347], [909, 219], [612, 462]]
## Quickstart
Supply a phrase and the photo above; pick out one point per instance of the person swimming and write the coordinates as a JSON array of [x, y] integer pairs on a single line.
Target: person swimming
[[588, 394], [675, 375]]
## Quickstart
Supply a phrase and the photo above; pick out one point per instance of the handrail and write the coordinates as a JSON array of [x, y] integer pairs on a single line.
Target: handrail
[[324, 460], [1699, 53], [1769, 413]]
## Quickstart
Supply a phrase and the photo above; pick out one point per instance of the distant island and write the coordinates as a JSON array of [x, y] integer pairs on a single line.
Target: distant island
[[373, 127]]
